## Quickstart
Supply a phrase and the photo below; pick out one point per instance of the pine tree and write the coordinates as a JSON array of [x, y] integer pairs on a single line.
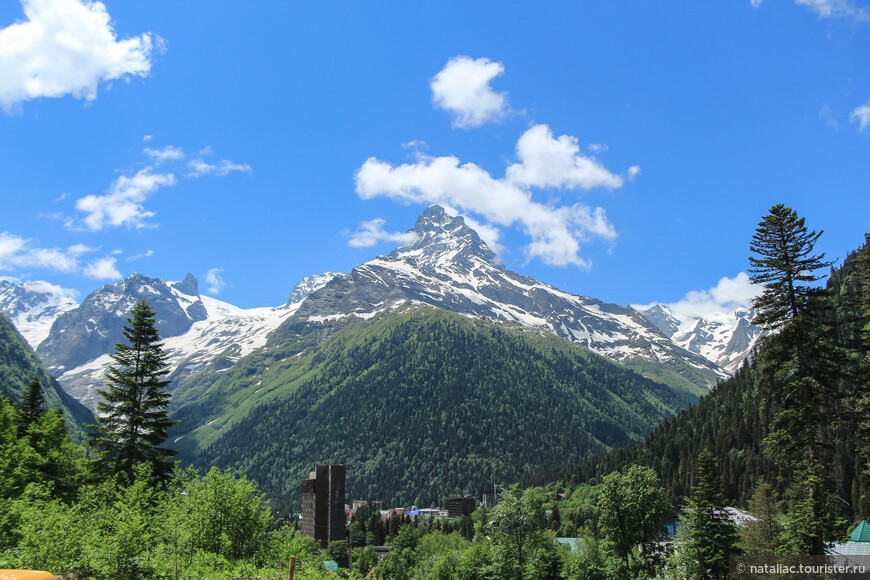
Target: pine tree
[[32, 408], [706, 537], [133, 417]]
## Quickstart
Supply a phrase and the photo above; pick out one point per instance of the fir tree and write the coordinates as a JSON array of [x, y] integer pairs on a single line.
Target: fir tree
[[32, 408], [810, 519], [133, 417], [761, 536], [785, 264], [801, 359], [706, 537]]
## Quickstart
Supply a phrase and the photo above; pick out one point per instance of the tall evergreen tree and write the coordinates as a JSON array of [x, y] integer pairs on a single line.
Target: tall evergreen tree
[[804, 363], [761, 536], [32, 408], [133, 417], [785, 264], [810, 521], [706, 537], [800, 359]]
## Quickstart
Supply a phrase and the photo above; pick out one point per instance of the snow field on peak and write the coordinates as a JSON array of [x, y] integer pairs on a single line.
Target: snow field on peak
[[33, 306]]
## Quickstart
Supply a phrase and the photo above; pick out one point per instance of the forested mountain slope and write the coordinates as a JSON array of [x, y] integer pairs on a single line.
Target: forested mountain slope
[[19, 365], [420, 403]]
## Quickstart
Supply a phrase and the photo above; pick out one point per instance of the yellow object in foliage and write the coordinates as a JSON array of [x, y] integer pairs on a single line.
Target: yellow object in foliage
[[25, 575]]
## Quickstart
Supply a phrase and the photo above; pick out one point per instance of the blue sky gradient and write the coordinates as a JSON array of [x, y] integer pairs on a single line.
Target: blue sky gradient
[[242, 135]]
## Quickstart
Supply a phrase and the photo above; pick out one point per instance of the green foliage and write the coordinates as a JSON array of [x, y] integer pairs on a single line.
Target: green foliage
[[784, 263], [214, 527], [810, 520], [133, 417], [337, 551], [633, 512], [761, 536], [221, 513], [707, 537], [106, 534], [19, 366], [521, 546], [423, 404], [364, 560], [589, 563], [41, 453], [739, 415], [31, 408]]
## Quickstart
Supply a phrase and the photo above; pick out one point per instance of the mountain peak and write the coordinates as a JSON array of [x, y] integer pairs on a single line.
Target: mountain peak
[[434, 217], [442, 237], [189, 285]]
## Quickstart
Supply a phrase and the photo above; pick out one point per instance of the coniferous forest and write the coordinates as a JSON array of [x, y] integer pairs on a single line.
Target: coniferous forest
[[601, 454]]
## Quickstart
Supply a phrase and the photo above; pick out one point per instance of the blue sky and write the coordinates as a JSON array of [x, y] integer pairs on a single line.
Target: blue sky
[[620, 150]]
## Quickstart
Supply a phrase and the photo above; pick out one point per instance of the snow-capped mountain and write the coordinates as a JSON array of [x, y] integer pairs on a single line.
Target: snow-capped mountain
[[196, 330], [32, 307], [450, 267], [726, 338]]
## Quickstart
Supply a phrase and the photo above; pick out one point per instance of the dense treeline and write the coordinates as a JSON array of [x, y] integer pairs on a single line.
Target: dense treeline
[[430, 403], [731, 422]]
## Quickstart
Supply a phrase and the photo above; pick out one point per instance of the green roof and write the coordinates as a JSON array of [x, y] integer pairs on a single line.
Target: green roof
[[861, 533]]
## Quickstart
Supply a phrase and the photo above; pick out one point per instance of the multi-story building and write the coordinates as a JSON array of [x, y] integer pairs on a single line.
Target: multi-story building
[[323, 516], [460, 506]]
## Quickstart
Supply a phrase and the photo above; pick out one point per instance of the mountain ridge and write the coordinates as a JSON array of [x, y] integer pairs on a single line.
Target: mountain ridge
[[446, 265]]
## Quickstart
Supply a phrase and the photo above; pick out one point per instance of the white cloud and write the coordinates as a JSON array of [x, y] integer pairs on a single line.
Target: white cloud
[[168, 153], [66, 47], [146, 254], [214, 280], [462, 88], [17, 252], [861, 115], [123, 204], [727, 295], [372, 232], [830, 9], [415, 144], [199, 168], [556, 232], [44, 287], [835, 9], [103, 269], [633, 171], [546, 161]]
